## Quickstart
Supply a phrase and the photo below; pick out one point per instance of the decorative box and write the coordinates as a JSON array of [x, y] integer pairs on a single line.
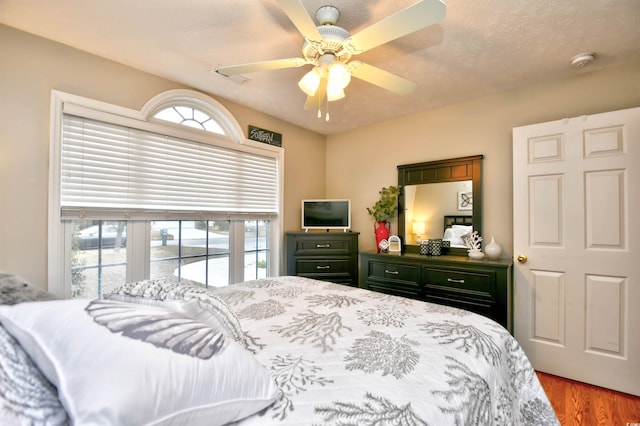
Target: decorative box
[[424, 247], [435, 247]]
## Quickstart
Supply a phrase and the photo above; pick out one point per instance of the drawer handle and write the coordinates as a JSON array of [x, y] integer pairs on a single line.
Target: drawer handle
[[323, 245], [386, 271], [323, 267], [455, 281]]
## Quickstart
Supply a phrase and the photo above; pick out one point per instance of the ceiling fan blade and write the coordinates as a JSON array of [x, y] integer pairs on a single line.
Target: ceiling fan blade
[[381, 78], [300, 17], [260, 66], [406, 21]]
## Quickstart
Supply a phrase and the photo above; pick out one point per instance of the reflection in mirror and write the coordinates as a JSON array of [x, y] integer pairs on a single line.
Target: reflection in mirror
[[426, 205], [437, 195]]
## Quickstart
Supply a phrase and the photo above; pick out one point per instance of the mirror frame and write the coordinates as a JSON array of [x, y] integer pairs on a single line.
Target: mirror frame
[[450, 170]]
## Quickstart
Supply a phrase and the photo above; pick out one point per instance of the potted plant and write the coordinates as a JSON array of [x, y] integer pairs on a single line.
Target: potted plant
[[384, 210]]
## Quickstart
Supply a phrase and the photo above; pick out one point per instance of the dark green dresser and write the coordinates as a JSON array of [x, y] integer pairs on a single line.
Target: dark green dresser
[[326, 256], [481, 286]]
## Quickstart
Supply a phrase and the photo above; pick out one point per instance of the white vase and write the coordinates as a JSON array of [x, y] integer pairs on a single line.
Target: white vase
[[493, 249]]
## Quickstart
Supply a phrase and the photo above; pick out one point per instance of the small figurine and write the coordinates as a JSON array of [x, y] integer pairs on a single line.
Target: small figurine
[[473, 242]]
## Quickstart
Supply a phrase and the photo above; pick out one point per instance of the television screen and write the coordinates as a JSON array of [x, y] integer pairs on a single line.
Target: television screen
[[326, 214]]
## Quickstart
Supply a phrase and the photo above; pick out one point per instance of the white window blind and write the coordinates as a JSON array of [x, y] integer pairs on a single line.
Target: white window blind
[[107, 166]]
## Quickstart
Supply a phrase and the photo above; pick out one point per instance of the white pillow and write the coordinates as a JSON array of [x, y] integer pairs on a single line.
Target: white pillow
[[457, 233], [122, 363], [449, 235]]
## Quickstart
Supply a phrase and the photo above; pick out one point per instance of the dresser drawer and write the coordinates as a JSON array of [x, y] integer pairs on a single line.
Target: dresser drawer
[[394, 272], [322, 247], [468, 282], [394, 278], [323, 266], [334, 270]]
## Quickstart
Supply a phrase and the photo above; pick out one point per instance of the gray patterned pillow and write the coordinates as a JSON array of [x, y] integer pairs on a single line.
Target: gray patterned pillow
[[14, 289], [165, 290]]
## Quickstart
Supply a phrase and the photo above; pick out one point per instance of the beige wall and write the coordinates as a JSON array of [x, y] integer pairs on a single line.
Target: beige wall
[[30, 68], [354, 165], [362, 161]]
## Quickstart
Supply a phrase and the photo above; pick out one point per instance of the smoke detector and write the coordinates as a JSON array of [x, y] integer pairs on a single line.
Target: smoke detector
[[583, 59]]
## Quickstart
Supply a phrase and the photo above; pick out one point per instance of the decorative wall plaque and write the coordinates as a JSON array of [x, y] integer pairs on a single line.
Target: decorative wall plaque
[[265, 136]]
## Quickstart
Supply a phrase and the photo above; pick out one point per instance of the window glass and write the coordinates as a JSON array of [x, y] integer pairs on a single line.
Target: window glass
[[192, 117], [169, 114], [256, 249], [99, 257], [185, 112], [200, 116], [196, 251]]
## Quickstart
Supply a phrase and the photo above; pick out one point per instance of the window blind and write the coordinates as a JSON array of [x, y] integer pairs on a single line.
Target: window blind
[[114, 167]]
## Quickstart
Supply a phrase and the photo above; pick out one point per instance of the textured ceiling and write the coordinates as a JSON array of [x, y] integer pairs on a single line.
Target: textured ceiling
[[480, 48]]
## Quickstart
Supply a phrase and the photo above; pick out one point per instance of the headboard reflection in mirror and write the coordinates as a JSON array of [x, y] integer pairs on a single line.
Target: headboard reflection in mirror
[[440, 199]]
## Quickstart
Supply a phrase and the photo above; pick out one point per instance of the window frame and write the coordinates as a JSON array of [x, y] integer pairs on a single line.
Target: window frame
[[59, 231]]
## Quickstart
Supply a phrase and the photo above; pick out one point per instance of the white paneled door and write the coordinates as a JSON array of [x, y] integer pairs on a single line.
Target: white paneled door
[[576, 215]]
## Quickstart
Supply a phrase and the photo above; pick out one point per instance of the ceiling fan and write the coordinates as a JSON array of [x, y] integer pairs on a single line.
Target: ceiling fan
[[329, 48]]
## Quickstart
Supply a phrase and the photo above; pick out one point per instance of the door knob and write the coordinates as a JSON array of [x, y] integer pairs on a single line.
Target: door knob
[[522, 258]]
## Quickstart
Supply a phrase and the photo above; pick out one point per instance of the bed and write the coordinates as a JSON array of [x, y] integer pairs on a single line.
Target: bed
[[298, 352]]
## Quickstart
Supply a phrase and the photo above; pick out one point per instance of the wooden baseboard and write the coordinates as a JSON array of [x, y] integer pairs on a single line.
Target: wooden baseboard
[[579, 403]]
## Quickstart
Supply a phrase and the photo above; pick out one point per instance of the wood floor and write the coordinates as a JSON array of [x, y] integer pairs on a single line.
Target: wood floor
[[581, 404]]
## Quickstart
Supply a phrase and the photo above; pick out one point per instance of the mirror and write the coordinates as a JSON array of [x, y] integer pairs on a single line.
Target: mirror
[[440, 195]]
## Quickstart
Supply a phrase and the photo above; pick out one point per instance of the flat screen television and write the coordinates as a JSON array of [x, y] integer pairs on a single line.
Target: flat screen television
[[326, 214]]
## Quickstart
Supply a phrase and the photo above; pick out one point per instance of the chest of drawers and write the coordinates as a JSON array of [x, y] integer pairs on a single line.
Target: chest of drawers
[[330, 256], [484, 287]]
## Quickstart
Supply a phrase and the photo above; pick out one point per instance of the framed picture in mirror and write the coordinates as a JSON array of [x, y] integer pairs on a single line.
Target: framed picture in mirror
[[465, 200]]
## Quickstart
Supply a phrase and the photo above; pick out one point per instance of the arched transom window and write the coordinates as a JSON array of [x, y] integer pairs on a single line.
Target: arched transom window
[[190, 116], [193, 109]]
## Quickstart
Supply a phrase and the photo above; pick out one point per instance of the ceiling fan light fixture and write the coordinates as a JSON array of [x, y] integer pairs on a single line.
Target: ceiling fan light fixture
[[335, 90], [334, 94], [339, 75], [309, 82]]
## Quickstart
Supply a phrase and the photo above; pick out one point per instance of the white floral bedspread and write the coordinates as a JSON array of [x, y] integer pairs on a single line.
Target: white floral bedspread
[[348, 356], [341, 356]]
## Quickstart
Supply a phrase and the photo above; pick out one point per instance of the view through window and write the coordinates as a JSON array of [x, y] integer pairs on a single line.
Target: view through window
[[192, 251]]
